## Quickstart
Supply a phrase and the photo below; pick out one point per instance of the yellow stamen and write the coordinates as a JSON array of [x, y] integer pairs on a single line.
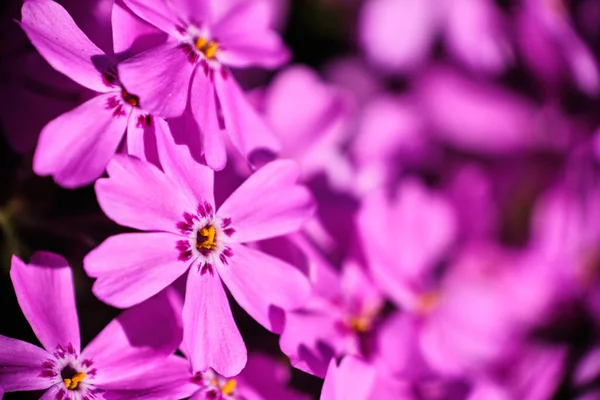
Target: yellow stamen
[[129, 98], [72, 383], [229, 387], [360, 324], [205, 238], [208, 48]]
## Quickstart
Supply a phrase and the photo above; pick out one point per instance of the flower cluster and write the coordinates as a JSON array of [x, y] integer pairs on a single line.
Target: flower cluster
[[416, 221]]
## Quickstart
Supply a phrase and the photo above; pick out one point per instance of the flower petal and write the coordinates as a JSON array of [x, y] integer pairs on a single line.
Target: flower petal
[[21, 366], [139, 195], [160, 77], [204, 108], [168, 379], [44, 289], [261, 283], [210, 334], [124, 348], [76, 146], [156, 12], [141, 136], [132, 267], [352, 379], [250, 44], [131, 34], [193, 178], [247, 130], [268, 203], [60, 41]]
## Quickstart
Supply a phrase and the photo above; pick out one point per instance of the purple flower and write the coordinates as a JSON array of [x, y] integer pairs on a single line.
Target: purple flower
[[121, 359], [75, 147], [203, 44], [334, 323], [187, 233]]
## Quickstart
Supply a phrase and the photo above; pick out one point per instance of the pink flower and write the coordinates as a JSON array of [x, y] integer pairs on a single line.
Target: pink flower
[[351, 379], [119, 363], [336, 321], [203, 45], [186, 233], [75, 147]]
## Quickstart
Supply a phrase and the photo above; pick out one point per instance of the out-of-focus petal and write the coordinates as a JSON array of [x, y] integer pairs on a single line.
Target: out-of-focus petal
[[21, 366], [210, 334], [160, 77], [76, 146], [396, 35], [352, 379], [264, 285], [137, 194], [248, 131], [60, 41], [45, 292], [125, 347], [268, 203], [132, 267]]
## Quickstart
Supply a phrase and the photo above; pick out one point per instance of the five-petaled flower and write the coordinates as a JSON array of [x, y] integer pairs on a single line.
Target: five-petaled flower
[[186, 233], [203, 45]]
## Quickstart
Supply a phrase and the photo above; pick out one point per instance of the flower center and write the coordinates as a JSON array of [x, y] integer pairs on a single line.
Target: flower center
[[207, 47], [359, 324], [427, 302], [71, 377], [130, 99], [206, 239], [228, 388]]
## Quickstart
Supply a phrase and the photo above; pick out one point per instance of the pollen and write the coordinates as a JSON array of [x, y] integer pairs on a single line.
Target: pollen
[[229, 387], [206, 238], [73, 382], [129, 98], [208, 48], [360, 324]]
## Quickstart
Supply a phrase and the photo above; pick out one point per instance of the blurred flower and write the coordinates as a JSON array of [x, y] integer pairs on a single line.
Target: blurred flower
[[351, 379]]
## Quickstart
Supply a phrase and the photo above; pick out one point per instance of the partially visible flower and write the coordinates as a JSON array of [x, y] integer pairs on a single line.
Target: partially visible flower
[[263, 378], [75, 147], [122, 358], [187, 232], [206, 39], [341, 314], [352, 379], [419, 221]]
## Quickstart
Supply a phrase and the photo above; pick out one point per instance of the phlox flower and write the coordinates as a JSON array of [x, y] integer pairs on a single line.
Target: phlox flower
[[263, 378], [117, 364], [336, 321], [187, 232], [353, 379], [76, 146], [206, 39]]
